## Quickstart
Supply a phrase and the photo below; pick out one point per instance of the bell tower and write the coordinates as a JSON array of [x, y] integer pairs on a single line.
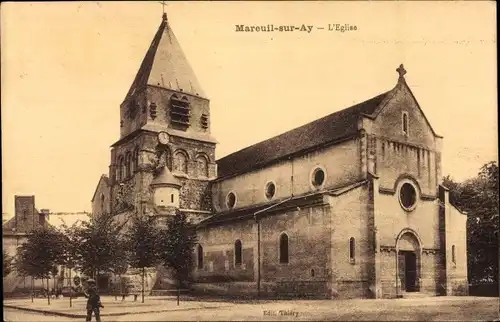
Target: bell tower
[[164, 136]]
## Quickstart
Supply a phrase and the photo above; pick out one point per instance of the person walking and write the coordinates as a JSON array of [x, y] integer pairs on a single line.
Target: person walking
[[94, 302]]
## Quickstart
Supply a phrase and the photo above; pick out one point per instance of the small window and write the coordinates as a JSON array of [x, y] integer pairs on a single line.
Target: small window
[[270, 190], [405, 123], [102, 203], [284, 248], [204, 121], [312, 272], [231, 200], [237, 253], [119, 171], [408, 196], [352, 250], [453, 255], [128, 166], [136, 159], [172, 198], [200, 256], [318, 177]]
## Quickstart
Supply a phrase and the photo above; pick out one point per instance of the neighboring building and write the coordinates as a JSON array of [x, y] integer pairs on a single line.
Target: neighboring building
[[349, 205], [14, 233], [100, 199]]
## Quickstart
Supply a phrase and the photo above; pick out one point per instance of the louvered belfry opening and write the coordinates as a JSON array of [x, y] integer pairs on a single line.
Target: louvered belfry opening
[[204, 121], [179, 111]]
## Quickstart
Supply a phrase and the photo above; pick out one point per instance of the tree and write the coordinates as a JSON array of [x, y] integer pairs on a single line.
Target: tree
[[54, 272], [119, 267], [40, 253], [142, 239], [119, 262], [478, 197], [177, 243], [97, 241], [7, 263], [69, 242]]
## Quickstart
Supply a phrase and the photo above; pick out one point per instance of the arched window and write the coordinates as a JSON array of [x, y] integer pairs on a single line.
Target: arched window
[[312, 272], [405, 123], [124, 168], [453, 255], [180, 162], [119, 169], [237, 252], [168, 158], [352, 249], [202, 166], [200, 256], [102, 203], [136, 160], [128, 162], [284, 248]]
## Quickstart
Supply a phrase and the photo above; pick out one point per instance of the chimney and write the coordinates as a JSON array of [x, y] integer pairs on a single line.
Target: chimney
[[43, 216]]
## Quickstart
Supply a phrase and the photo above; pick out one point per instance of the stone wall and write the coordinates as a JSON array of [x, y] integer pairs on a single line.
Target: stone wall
[[351, 273], [456, 252], [306, 273], [341, 164]]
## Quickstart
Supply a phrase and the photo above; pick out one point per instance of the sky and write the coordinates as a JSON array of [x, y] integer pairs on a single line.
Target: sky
[[66, 67]]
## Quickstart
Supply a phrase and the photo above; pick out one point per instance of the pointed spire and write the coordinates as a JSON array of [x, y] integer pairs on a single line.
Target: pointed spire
[[165, 65], [165, 179]]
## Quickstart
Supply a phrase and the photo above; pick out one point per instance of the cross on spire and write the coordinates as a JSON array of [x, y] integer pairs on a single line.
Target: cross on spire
[[401, 71], [163, 4]]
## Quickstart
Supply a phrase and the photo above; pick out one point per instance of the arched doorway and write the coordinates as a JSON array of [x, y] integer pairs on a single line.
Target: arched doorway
[[408, 250]]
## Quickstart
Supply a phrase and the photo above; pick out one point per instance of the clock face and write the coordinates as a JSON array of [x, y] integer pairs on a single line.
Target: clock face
[[163, 137]]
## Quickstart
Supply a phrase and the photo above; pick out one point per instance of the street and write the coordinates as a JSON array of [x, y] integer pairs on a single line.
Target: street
[[425, 309]]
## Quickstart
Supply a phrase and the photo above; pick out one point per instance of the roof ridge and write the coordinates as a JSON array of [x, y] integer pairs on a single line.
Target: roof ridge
[[308, 123]]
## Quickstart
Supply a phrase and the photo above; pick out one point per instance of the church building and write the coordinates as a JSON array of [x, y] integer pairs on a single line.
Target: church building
[[348, 206]]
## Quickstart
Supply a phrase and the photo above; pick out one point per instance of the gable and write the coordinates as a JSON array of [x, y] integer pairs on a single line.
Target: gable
[[388, 119], [103, 181]]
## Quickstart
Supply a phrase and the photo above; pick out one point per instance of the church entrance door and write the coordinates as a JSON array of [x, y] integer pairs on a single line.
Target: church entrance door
[[410, 271], [408, 261]]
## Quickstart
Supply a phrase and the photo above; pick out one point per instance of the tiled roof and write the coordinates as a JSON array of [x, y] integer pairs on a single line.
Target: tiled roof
[[22, 227], [330, 128], [165, 178], [315, 198], [165, 65], [248, 212]]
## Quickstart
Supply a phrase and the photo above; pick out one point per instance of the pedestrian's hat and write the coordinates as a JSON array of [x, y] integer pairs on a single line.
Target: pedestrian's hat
[[90, 281]]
